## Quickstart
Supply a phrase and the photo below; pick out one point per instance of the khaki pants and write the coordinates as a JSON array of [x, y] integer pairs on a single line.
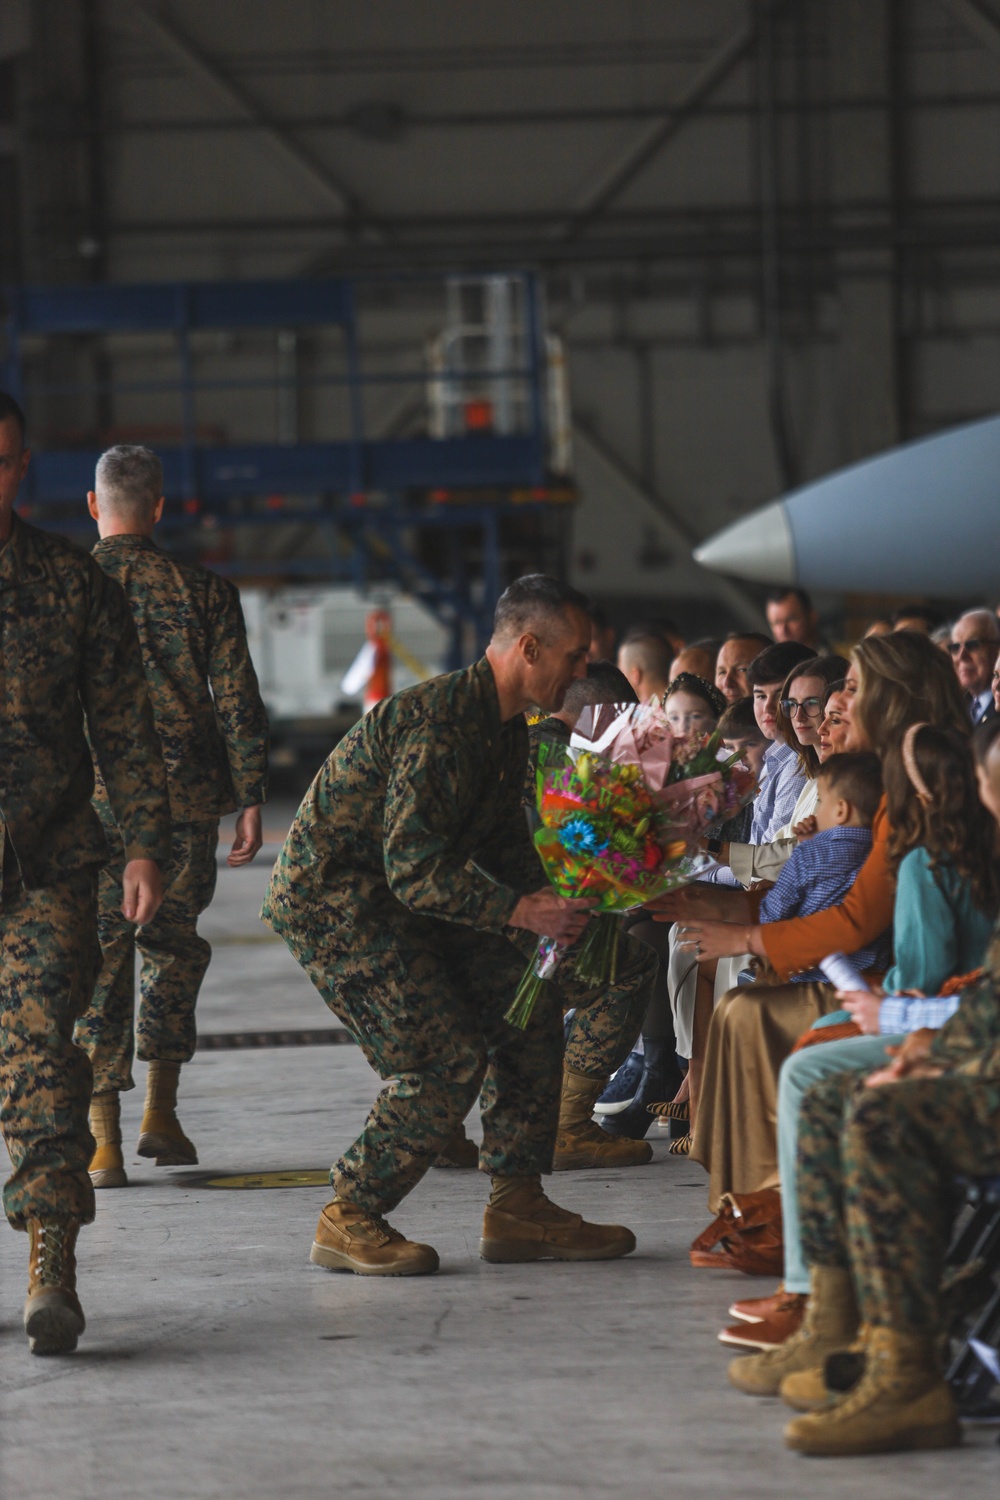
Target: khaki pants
[[753, 1030]]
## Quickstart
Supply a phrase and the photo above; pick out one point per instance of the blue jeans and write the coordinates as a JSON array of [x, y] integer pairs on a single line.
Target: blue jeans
[[861, 1054]]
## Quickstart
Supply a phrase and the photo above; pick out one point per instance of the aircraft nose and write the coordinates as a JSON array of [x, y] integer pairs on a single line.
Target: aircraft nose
[[759, 547]]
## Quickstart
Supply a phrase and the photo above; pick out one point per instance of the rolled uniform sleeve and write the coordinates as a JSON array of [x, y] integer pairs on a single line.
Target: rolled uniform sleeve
[[120, 724], [238, 705], [429, 804]]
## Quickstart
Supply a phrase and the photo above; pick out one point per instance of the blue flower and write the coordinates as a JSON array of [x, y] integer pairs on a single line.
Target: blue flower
[[581, 837]]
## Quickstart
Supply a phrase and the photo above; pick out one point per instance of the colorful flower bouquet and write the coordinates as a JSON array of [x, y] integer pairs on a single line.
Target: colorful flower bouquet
[[620, 811]]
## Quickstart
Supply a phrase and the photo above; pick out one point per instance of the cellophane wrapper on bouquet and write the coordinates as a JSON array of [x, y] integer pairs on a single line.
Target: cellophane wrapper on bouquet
[[621, 810]]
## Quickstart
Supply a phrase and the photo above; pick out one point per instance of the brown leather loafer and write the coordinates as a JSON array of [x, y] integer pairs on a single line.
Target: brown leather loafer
[[756, 1309], [771, 1331]]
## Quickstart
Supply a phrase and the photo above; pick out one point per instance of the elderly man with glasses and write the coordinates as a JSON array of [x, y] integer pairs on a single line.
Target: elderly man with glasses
[[975, 638]]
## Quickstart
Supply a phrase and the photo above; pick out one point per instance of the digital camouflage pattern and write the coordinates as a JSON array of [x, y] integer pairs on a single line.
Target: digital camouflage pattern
[[877, 1165], [381, 894], [71, 666], [49, 958], [174, 961], [206, 702], [70, 653], [213, 731]]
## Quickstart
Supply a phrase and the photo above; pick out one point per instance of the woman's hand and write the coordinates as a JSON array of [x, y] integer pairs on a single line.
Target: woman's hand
[[713, 940], [863, 1006]]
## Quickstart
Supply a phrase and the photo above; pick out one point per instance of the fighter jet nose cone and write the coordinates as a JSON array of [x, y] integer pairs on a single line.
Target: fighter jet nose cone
[[759, 547]]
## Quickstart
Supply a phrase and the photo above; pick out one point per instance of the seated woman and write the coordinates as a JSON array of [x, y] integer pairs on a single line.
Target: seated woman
[[797, 704], [799, 714], [947, 899], [894, 681]]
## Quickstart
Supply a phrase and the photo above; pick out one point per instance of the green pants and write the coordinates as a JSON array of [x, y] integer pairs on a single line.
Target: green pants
[[876, 1172], [174, 961], [425, 1001], [49, 957], [608, 1020]]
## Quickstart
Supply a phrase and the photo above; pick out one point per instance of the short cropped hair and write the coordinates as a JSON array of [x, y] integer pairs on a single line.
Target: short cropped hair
[[130, 479], [855, 775], [651, 653], [931, 617], [775, 596], [775, 662], [602, 684], [9, 409], [654, 625], [532, 601], [763, 641], [739, 722]]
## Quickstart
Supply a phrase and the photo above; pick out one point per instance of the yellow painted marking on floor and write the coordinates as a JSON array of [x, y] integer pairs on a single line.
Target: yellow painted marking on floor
[[307, 1177]]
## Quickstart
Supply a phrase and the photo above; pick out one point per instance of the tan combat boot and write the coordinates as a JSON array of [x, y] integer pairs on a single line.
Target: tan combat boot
[[581, 1143], [160, 1134], [107, 1168], [349, 1239], [900, 1403], [521, 1224], [458, 1151], [830, 1325], [811, 1390], [53, 1317]]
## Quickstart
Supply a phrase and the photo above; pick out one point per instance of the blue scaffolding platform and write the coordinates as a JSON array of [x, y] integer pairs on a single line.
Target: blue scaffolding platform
[[379, 502]]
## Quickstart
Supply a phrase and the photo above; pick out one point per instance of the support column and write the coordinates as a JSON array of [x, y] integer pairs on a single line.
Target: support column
[[863, 196]]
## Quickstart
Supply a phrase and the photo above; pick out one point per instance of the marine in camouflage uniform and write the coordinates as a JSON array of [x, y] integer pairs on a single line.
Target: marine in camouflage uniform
[[71, 666], [213, 730], [382, 894], [876, 1165], [876, 1202]]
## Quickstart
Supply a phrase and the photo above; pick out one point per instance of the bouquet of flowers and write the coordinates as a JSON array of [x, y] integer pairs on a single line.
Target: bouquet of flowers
[[620, 810]]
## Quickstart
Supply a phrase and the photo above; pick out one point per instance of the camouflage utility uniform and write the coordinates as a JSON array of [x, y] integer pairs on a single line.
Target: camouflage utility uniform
[[68, 651], [877, 1165], [606, 1022], [213, 730], [381, 894]]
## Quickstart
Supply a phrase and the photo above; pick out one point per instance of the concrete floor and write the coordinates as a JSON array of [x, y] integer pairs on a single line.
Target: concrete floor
[[205, 1369]]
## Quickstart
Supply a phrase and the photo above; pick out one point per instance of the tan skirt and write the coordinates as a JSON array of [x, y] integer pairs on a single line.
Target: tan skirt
[[753, 1030]]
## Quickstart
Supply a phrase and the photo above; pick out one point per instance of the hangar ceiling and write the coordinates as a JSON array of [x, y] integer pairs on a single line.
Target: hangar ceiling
[[769, 229]]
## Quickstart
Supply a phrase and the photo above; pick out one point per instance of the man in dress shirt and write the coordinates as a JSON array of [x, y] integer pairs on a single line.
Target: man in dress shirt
[[973, 646]]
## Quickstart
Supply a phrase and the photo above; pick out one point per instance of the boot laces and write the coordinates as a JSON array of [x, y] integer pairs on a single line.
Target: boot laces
[[383, 1230], [52, 1254]]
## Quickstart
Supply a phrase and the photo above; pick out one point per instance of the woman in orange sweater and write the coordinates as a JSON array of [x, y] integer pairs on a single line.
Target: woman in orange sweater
[[894, 681]]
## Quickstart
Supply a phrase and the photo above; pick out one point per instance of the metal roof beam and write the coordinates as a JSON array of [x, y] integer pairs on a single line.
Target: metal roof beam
[[200, 65], [982, 23], [647, 144]]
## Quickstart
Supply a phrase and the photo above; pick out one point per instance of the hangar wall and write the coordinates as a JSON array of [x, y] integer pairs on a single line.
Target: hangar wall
[[768, 231]]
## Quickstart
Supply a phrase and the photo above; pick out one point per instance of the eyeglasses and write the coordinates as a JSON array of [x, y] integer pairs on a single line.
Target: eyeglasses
[[811, 707], [955, 648]]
